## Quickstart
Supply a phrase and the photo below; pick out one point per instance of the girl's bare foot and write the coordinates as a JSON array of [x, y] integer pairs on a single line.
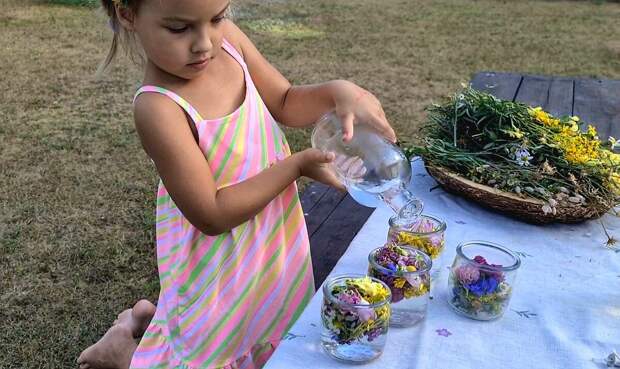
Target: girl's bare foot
[[113, 351], [137, 318]]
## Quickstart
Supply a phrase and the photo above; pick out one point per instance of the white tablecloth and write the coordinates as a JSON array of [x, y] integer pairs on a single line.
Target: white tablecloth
[[564, 313]]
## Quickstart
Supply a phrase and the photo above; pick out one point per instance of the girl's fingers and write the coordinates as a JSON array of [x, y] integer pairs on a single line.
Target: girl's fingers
[[347, 126], [331, 179], [384, 127]]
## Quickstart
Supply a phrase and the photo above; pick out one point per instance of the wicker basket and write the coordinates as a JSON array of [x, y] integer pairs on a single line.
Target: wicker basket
[[525, 208]]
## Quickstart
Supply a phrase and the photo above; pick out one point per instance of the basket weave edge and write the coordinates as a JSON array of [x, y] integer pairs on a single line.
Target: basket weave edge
[[525, 208]]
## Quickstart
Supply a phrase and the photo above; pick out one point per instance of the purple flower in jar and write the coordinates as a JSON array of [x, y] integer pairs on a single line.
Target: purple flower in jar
[[467, 274], [484, 286], [366, 314], [349, 297], [391, 266], [373, 334], [436, 239], [497, 274], [397, 294], [480, 260]]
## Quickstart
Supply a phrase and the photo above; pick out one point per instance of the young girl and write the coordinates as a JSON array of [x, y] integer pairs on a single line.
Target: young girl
[[232, 246]]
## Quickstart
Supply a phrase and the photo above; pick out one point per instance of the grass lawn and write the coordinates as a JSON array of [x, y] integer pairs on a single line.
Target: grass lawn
[[77, 192]]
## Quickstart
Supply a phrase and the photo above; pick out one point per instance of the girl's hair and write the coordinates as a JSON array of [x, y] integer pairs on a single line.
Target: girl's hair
[[126, 40], [122, 37]]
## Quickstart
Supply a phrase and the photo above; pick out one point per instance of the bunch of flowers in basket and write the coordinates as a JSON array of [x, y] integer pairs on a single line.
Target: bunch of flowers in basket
[[522, 150], [479, 289], [357, 310], [397, 267]]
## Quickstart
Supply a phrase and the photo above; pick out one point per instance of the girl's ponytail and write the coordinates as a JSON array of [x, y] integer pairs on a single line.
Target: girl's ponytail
[[121, 37], [108, 7]]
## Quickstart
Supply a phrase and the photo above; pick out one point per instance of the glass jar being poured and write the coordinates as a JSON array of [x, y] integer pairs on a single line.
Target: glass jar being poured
[[371, 167]]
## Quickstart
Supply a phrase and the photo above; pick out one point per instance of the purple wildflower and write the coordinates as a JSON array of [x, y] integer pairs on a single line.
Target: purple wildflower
[[366, 314], [467, 274], [349, 297], [483, 286], [480, 260], [397, 294]]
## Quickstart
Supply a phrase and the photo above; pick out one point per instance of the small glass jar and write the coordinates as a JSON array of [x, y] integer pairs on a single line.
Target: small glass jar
[[410, 289], [481, 279], [354, 330], [427, 234]]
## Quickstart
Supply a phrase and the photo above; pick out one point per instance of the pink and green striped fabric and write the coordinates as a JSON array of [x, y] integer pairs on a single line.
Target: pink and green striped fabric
[[226, 301]]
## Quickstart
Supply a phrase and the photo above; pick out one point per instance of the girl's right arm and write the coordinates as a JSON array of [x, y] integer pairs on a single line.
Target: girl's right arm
[[168, 140]]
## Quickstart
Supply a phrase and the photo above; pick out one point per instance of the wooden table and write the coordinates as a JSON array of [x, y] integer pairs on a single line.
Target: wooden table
[[334, 218]]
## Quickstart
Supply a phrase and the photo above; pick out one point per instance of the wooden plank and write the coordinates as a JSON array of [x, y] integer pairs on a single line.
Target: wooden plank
[[323, 208], [333, 237], [534, 91], [553, 94], [311, 196], [598, 102], [560, 102], [501, 85]]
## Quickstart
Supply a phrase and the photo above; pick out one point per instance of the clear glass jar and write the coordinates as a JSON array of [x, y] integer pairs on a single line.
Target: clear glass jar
[[410, 289], [370, 166], [481, 279], [354, 331], [426, 233]]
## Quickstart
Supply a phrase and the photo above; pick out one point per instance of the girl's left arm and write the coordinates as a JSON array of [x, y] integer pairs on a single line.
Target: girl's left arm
[[301, 106]]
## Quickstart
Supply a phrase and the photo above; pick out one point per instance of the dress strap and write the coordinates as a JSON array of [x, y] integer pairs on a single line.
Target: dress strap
[[233, 52], [189, 109]]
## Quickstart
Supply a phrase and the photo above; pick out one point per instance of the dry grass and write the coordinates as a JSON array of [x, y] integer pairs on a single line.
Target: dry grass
[[77, 192]]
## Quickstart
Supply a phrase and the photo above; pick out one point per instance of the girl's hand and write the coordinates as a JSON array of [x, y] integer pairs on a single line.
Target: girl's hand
[[353, 103], [314, 163]]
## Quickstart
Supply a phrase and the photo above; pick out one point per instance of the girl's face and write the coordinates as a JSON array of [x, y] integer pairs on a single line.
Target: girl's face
[[181, 37]]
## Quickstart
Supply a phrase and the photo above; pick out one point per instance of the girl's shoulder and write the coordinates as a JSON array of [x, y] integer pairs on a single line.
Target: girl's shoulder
[[234, 35], [157, 114]]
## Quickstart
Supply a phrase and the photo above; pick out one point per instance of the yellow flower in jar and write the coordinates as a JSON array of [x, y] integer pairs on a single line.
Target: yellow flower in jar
[[416, 291], [421, 243], [399, 282], [383, 313], [372, 291]]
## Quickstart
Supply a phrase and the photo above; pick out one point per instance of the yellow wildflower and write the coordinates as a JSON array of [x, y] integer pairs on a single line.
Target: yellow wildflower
[[517, 133], [416, 291], [578, 148], [371, 291], [610, 157], [411, 268], [422, 243], [399, 282], [615, 182], [592, 131], [545, 118]]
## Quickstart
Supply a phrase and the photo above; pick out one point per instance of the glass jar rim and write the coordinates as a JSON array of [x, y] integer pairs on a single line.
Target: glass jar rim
[[516, 259], [442, 225], [427, 259], [333, 280]]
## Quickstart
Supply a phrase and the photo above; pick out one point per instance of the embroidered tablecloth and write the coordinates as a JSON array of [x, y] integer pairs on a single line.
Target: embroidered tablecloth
[[564, 312]]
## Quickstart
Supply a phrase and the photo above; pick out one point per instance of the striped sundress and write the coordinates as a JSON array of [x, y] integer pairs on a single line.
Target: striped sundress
[[226, 301]]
